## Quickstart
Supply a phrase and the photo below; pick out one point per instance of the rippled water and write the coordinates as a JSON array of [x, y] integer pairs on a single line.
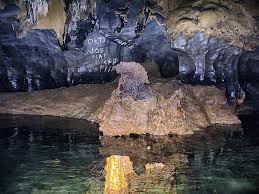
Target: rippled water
[[50, 155]]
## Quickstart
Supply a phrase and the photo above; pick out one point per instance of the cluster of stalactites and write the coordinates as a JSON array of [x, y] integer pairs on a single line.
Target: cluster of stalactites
[[210, 60], [35, 8], [80, 10]]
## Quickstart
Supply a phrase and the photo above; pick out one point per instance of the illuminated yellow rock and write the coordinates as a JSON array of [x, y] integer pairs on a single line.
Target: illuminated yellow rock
[[117, 169]]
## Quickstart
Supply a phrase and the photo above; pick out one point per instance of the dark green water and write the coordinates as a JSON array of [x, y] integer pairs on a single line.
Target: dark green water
[[49, 155]]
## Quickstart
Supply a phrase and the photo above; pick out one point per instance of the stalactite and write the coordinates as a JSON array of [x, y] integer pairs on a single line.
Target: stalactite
[[35, 8]]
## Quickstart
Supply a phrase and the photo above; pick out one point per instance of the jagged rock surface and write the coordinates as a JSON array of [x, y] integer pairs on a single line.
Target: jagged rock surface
[[209, 60], [199, 41], [36, 61], [30, 63], [248, 69], [226, 19], [162, 108]]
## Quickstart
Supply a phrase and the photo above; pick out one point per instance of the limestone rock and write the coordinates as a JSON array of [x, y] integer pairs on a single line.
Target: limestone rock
[[130, 104], [42, 14], [161, 108], [215, 106], [224, 19]]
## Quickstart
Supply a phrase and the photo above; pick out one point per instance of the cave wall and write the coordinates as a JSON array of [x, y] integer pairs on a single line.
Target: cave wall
[[80, 41]]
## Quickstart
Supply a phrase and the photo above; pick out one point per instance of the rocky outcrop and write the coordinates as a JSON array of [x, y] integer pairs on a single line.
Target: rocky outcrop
[[130, 105], [227, 20], [75, 102], [199, 42], [161, 108], [31, 63], [249, 79], [37, 61], [118, 170], [209, 60]]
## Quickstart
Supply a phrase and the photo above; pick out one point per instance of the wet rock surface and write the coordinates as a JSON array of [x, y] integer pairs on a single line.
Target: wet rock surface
[[209, 60], [249, 80], [199, 42], [166, 108], [74, 102], [227, 20], [30, 63], [160, 108]]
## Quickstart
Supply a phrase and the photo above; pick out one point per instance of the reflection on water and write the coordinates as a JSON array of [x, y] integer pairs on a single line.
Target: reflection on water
[[50, 155]]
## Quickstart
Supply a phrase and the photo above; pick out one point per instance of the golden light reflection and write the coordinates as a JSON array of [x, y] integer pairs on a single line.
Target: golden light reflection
[[117, 168]]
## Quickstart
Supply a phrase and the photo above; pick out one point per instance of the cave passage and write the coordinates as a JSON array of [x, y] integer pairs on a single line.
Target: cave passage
[[129, 96]]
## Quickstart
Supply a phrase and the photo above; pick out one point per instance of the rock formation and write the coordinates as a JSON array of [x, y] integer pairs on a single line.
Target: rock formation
[[208, 42], [227, 20], [74, 102], [31, 63], [130, 104], [160, 108]]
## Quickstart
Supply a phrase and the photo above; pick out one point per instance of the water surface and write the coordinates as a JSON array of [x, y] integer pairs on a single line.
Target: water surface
[[51, 155]]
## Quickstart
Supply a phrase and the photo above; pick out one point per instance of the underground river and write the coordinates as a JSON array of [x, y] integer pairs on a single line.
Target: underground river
[[54, 155]]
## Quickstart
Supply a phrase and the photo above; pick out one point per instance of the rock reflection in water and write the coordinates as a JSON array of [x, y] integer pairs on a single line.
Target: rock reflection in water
[[205, 162], [144, 149], [46, 155]]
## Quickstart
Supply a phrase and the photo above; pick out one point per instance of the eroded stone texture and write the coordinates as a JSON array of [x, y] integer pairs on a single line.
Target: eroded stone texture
[[166, 108], [54, 18], [130, 104], [224, 19], [80, 22], [198, 41], [37, 61], [30, 63], [42, 14], [209, 60], [211, 36], [73, 102], [249, 78]]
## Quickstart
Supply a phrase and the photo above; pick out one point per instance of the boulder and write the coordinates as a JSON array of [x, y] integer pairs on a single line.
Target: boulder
[[161, 108]]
